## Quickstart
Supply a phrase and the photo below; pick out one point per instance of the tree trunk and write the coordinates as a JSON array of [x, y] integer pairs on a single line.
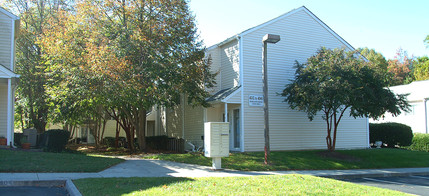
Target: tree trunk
[[117, 135], [140, 125]]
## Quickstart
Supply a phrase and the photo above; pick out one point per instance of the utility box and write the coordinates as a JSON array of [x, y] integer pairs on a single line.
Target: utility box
[[31, 135], [216, 139]]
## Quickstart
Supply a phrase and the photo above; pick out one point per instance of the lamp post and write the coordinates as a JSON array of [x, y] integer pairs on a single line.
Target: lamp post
[[268, 38]]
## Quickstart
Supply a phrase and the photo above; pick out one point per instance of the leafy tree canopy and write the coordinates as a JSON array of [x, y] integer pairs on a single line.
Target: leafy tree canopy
[[334, 82], [421, 68]]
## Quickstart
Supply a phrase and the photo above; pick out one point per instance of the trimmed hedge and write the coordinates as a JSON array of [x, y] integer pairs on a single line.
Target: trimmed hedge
[[109, 141], [420, 142], [55, 140], [391, 134]]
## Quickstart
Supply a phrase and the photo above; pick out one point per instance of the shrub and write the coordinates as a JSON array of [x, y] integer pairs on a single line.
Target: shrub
[[17, 138], [56, 140], [391, 134], [109, 141], [157, 142], [420, 142]]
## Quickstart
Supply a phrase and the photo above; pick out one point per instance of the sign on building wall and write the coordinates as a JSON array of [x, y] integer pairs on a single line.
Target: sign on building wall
[[256, 100]]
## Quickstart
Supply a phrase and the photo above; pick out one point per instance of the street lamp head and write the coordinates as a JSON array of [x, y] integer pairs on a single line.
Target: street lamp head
[[270, 38]]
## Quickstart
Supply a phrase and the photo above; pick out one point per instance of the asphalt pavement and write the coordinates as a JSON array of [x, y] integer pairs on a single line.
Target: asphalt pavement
[[414, 184]]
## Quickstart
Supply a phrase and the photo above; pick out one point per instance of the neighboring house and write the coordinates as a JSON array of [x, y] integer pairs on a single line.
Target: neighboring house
[[238, 62], [9, 25], [417, 118]]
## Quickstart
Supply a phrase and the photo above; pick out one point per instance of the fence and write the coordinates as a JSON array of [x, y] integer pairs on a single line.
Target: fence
[[176, 145]]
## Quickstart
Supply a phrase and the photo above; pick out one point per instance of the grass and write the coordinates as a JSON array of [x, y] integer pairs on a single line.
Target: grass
[[255, 185], [24, 161], [310, 160]]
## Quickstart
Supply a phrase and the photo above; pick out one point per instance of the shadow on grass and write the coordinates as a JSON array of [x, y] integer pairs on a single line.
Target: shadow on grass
[[121, 186]]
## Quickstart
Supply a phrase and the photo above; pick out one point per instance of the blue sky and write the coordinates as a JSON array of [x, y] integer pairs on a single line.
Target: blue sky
[[382, 25]]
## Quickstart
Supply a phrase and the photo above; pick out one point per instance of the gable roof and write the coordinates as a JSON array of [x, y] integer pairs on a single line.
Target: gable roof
[[8, 72], [223, 94], [7, 13], [302, 8]]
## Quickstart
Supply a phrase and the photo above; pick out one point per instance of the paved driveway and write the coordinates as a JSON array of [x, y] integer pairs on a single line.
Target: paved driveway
[[417, 184]]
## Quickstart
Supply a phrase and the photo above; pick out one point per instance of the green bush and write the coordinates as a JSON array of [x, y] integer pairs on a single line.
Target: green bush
[[391, 134], [109, 141], [56, 140], [17, 138], [157, 142], [420, 142]]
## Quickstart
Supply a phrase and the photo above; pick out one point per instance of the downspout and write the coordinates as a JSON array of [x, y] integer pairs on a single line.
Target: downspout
[[9, 112], [426, 114], [183, 117], [241, 70]]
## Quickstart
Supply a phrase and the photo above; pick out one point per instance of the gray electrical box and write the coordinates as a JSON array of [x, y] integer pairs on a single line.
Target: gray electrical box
[[31, 135]]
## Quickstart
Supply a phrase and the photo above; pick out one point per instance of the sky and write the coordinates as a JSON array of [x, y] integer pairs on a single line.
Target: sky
[[383, 25]]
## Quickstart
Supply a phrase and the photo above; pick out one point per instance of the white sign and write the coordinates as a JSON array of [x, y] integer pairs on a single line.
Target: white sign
[[256, 100]]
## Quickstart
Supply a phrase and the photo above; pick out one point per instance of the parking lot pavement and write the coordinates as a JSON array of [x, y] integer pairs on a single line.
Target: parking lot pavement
[[33, 191], [417, 184]]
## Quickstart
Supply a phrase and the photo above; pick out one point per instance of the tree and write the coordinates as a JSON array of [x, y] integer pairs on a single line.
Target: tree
[[131, 55], [401, 68], [334, 82], [376, 59], [35, 103], [421, 68]]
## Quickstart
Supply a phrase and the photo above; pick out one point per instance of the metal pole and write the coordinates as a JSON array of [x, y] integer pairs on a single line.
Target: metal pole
[[265, 90]]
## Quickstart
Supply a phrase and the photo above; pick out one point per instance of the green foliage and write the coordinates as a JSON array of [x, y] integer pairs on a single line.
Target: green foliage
[[376, 59], [56, 140], [420, 142], [109, 141], [335, 81], [421, 68], [157, 142], [391, 134]]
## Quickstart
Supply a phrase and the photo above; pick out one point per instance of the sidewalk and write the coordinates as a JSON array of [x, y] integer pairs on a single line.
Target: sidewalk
[[158, 168]]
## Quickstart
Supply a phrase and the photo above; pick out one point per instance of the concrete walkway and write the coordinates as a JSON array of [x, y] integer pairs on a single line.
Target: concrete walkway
[[157, 168]]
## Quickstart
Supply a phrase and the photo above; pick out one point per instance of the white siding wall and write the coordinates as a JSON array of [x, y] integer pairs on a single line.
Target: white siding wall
[[416, 117], [3, 110], [301, 36], [229, 65], [5, 40]]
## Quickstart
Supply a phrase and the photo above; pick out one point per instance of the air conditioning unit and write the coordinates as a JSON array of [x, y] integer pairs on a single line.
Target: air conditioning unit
[[216, 141]]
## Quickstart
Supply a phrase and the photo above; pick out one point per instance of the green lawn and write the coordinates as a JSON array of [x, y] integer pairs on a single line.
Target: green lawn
[[310, 160], [256, 185], [23, 161]]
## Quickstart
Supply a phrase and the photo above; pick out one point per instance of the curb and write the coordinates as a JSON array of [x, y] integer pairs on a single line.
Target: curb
[[71, 188], [67, 184]]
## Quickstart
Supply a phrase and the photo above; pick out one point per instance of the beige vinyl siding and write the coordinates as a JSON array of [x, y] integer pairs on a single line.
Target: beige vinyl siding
[[214, 53], [174, 122], [194, 124], [301, 36], [5, 40], [235, 98], [229, 65], [3, 110], [3, 75], [110, 130]]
